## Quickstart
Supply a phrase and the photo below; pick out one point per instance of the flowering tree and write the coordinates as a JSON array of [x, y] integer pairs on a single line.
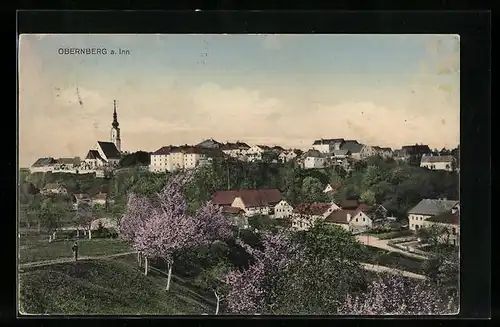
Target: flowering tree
[[138, 210], [396, 295], [163, 228], [255, 290]]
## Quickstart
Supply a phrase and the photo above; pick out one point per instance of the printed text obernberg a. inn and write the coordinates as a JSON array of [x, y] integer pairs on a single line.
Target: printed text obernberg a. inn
[[82, 51]]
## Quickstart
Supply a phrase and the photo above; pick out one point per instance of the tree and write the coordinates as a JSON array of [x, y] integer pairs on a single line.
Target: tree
[[137, 158], [252, 290], [368, 197], [168, 230], [84, 217], [312, 190], [396, 295], [52, 214]]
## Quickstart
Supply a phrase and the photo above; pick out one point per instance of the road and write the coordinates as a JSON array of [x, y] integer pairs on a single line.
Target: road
[[367, 266], [70, 259], [383, 244]]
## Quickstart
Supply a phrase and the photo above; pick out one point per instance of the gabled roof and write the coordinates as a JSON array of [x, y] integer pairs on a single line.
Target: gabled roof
[[93, 154], [447, 217], [81, 196], [109, 149], [348, 204], [41, 162], [327, 141], [164, 150], [264, 147], [278, 148], [352, 145], [250, 197], [432, 207], [235, 146], [313, 153], [66, 161], [432, 159], [416, 149], [315, 208], [340, 216], [343, 152], [209, 143]]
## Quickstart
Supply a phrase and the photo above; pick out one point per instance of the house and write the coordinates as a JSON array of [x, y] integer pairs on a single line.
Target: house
[[354, 147], [327, 145], [109, 152], [78, 198], [426, 209], [314, 159], [450, 220], [209, 144], [332, 188], [385, 152], [252, 201], [289, 155], [235, 150], [368, 151], [413, 151], [357, 218], [306, 214], [446, 162], [67, 163], [255, 152], [54, 188], [43, 165], [171, 158], [283, 210]]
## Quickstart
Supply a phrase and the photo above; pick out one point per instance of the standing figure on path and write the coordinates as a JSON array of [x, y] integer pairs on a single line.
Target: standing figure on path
[[74, 248]]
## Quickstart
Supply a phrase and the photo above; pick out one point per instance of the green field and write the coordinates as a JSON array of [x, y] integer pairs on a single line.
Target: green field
[[106, 287], [35, 247]]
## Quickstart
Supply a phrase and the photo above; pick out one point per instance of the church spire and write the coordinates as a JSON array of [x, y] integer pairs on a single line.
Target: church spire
[[115, 117]]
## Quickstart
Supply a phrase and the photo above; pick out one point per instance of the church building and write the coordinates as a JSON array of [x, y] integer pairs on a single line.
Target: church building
[[106, 153]]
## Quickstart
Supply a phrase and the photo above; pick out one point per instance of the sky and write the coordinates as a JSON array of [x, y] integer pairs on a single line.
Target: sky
[[288, 90]]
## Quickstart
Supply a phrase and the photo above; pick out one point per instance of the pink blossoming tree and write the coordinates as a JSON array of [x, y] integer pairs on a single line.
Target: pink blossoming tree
[[253, 291], [397, 295], [163, 229]]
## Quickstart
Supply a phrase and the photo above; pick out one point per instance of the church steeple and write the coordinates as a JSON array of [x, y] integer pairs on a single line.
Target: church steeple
[[115, 130], [115, 123]]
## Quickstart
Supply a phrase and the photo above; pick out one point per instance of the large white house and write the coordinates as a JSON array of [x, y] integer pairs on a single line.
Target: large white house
[[256, 151], [251, 201], [172, 158], [426, 209], [289, 155], [327, 145], [43, 165], [437, 162], [354, 148], [314, 159], [283, 210]]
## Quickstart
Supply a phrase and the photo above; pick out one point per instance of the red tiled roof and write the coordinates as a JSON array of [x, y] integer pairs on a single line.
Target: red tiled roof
[[446, 218], [365, 208], [250, 197], [340, 216], [348, 204], [315, 208], [233, 210]]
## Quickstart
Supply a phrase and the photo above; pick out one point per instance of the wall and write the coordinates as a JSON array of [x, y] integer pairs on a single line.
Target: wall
[[414, 220], [282, 210]]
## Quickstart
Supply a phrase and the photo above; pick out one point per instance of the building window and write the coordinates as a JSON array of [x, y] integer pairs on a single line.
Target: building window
[[363, 219], [453, 231], [356, 219], [412, 225]]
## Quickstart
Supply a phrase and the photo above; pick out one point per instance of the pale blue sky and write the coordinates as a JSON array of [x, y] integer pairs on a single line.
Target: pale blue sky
[[284, 88]]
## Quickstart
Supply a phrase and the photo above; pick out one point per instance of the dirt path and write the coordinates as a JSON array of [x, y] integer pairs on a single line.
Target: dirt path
[[377, 268], [70, 259], [383, 244]]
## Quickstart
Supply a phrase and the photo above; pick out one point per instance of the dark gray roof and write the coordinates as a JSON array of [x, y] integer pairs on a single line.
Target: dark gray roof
[[210, 143], [342, 152], [40, 162], [67, 161], [93, 154], [432, 207], [416, 149], [431, 159], [110, 150], [313, 153], [327, 141], [352, 146]]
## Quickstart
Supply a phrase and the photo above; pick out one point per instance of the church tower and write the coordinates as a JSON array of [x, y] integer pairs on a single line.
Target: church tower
[[115, 130]]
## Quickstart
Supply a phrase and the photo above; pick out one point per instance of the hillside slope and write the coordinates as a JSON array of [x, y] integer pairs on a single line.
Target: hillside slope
[[101, 287]]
